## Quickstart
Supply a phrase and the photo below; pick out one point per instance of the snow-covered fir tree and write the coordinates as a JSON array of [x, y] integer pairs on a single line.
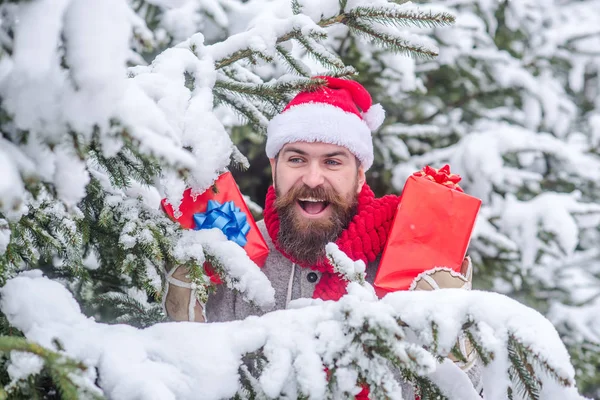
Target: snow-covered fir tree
[[512, 104], [107, 107]]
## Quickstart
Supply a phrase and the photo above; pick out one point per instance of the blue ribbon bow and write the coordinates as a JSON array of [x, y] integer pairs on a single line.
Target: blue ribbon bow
[[226, 217]]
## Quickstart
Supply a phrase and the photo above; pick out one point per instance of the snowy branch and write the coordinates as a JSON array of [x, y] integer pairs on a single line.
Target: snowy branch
[[352, 338]]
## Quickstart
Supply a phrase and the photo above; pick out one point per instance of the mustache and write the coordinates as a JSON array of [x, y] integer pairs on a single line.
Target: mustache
[[303, 191], [305, 239]]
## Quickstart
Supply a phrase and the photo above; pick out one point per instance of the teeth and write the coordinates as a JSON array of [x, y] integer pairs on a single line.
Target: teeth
[[311, 199]]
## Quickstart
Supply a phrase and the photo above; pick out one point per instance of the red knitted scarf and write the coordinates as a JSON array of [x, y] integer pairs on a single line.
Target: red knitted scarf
[[364, 239]]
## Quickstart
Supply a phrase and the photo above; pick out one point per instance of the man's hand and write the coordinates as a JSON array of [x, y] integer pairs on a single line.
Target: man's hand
[[443, 278], [180, 295]]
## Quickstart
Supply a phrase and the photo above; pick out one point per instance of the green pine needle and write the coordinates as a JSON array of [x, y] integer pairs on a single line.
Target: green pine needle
[[526, 381], [401, 18], [320, 53], [425, 388], [486, 356], [294, 64], [343, 4], [296, 7], [61, 368], [458, 354], [257, 119], [130, 311], [393, 43], [435, 335], [238, 159]]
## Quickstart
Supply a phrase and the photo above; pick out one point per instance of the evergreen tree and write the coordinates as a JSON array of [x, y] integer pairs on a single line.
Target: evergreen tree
[[512, 105], [86, 156]]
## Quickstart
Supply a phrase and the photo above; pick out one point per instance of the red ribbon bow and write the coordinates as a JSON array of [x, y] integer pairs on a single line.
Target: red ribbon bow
[[441, 176]]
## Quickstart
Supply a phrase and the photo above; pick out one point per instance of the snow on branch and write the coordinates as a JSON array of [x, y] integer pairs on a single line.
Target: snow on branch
[[480, 158], [550, 213], [307, 27], [164, 112], [352, 271], [393, 15], [28, 358], [231, 263], [286, 352]]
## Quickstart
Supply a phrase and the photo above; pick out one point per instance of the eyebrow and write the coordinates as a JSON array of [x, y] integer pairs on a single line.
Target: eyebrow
[[304, 153], [295, 150], [337, 154]]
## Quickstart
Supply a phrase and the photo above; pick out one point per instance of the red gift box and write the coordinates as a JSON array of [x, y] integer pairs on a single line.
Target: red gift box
[[432, 228], [224, 189]]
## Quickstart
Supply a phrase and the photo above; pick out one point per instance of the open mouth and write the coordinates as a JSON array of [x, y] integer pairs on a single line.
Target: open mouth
[[313, 206]]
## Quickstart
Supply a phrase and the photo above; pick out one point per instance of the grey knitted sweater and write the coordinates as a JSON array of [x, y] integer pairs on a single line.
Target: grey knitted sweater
[[289, 281]]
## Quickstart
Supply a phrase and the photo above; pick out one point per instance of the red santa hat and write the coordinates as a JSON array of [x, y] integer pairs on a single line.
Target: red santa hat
[[339, 113]]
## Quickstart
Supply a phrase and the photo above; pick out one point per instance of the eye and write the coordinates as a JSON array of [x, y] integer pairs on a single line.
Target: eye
[[295, 160], [332, 162]]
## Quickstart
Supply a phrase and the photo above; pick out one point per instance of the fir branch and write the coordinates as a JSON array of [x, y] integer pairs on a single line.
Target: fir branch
[[128, 164], [34, 223], [130, 237], [296, 7], [358, 20], [526, 381], [250, 386], [548, 369], [293, 33], [16, 253], [131, 311], [320, 53], [198, 277], [61, 368], [249, 54], [394, 43], [521, 358], [435, 335], [486, 356], [343, 4], [509, 393], [400, 17], [257, 119], [238, 159], [346, 72], [425, 388], [153, 292], [218, 264], [377, 344], [457, 353], [150, 12], [46, 233], [336, 19], [292, 62], [348, 269], [254, 91]]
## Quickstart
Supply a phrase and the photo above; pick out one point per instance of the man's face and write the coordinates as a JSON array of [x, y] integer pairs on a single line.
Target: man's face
[[317, 185]]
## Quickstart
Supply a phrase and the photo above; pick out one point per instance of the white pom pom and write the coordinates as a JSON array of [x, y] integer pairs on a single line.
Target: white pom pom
[[374, 117]]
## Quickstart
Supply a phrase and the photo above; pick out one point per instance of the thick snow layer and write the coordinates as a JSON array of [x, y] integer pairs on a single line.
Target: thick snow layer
[[190, 360]]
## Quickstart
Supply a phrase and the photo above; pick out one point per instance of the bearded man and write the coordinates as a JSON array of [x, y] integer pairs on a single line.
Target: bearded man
[[319, 148]]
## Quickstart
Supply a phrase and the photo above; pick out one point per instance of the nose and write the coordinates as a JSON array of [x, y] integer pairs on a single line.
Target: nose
[[313, 176]]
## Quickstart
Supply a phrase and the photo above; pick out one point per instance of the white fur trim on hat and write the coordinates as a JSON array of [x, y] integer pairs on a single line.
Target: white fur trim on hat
[[321, 122], [374, 116]]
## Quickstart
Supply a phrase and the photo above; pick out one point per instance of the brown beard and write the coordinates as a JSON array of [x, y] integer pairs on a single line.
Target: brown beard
[[304, 239]]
